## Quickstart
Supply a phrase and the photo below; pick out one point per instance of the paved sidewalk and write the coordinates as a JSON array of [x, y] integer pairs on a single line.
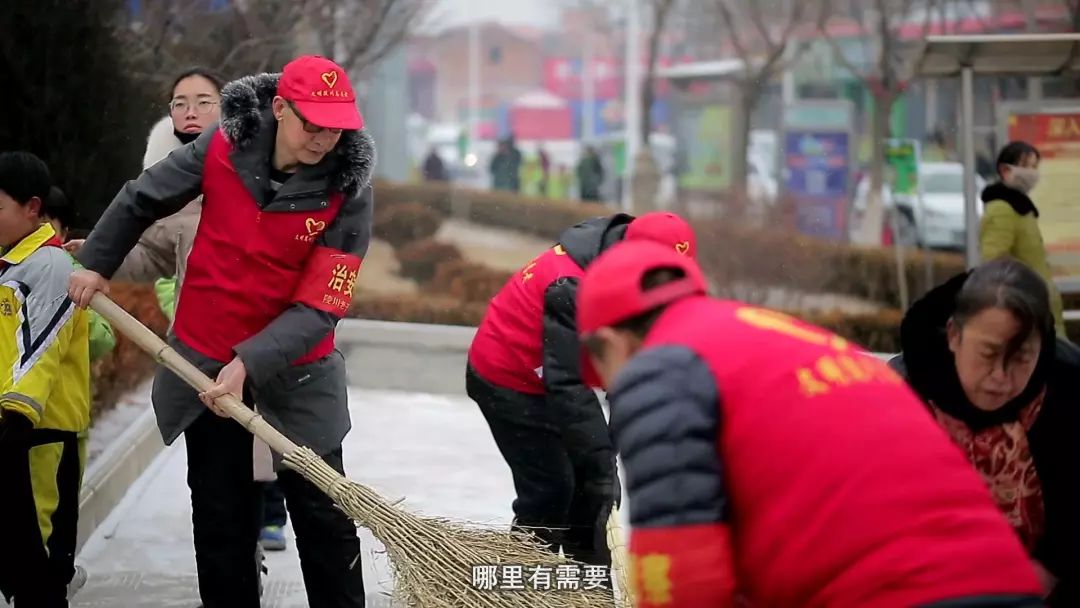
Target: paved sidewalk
[[435, 451]]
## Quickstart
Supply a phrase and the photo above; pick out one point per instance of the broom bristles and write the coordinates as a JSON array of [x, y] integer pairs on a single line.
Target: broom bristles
[[433, 559]]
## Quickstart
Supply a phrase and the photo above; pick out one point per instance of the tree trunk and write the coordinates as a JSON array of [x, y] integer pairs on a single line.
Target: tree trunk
[[749, 93], [873, 220], [660, 14]]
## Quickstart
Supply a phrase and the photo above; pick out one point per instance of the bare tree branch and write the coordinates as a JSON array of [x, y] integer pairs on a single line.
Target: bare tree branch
[[759, 23], [733, 31], [838, 52]]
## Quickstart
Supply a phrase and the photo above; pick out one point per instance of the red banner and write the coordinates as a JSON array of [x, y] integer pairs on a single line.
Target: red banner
[[1053, 134]]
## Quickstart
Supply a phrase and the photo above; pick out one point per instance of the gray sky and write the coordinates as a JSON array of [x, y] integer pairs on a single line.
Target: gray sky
[[448, 13]]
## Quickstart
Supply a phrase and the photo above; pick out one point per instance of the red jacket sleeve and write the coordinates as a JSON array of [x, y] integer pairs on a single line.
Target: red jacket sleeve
[[686, 566], [333, 267], [665, 417]]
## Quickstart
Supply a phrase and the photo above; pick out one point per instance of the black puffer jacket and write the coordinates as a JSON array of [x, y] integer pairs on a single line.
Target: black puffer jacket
[[930, 369], [584, 429]]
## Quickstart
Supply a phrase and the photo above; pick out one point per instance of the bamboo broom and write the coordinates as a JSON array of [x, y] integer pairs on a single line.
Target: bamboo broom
[[617, 544], [434, 560]]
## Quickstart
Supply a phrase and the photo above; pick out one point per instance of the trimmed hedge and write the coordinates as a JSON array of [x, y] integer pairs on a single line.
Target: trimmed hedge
[[879, 333], [404, 223], [127, 365], [542, 217], [730, 252], [467, 281], [420, 259], [428, 308]]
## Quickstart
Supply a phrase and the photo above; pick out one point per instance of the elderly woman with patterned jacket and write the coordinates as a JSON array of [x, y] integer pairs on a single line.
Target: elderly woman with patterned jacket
[[286, 220], [982, 353]]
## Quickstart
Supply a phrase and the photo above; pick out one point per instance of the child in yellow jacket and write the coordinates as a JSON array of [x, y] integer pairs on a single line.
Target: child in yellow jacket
[[44, 393]]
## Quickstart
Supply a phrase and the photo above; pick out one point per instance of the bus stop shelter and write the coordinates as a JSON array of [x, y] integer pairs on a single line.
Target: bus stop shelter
[[966, 57]]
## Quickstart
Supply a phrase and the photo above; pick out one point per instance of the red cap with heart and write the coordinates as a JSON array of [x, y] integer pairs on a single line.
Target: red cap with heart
[[321, 92], [665, 228], [611, 290]]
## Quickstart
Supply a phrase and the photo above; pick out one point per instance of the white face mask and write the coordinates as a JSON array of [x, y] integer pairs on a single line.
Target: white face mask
[[1023, 179]]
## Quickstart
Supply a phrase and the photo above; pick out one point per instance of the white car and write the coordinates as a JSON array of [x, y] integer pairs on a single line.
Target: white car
[[936, 223]]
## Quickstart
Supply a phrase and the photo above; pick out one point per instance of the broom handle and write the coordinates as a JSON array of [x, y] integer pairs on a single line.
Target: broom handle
[[148, 341]]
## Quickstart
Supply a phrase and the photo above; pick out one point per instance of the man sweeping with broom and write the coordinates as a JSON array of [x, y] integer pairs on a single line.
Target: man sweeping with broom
[[523, 372], [286, 221]]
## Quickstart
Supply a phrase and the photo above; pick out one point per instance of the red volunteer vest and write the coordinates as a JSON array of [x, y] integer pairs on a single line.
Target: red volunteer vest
[[246, 266], [843, 491], [508, 348]]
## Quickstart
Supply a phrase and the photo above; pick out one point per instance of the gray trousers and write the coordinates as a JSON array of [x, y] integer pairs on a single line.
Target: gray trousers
[[309, 405]]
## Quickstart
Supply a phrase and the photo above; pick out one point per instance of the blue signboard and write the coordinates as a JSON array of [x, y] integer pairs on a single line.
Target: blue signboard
[[817, 176], [608, 116]]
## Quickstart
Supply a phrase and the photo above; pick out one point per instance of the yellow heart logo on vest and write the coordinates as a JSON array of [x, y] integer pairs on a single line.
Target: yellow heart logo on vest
[[314, 226]]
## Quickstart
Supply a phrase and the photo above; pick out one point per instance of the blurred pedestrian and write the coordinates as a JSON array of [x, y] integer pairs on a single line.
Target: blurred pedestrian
[[1010, 221], [505, 167], [434, 168], [590, 175]]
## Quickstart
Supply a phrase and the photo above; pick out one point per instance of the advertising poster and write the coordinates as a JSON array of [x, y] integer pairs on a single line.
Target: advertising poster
[[817, 144], [707, 134], [1057, 137], [902, 160], [816, 175]]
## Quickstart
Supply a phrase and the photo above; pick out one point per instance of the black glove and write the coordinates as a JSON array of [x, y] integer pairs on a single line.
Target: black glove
[[14, 430]]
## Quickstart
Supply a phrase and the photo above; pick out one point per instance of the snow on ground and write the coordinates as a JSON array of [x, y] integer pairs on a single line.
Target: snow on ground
[[111, 424], [434, 451]]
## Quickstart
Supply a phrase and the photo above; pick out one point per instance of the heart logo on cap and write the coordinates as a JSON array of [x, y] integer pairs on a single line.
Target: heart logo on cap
[[330, 78], [314, 226], [682, 247]]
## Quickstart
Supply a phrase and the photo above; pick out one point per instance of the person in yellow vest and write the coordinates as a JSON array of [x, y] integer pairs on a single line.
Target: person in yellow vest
[[1010, 221], [532, 176], [44, 397], [558, 185]]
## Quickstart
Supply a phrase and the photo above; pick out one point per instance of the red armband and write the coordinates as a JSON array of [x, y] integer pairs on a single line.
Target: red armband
[[685, 566], [328, 280]]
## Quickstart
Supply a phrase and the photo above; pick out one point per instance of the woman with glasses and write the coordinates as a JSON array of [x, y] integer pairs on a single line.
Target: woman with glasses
[[194, 104], [161, 253]]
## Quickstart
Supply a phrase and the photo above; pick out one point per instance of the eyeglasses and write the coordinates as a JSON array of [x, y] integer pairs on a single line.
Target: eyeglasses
[[180, 106], [308, 126]]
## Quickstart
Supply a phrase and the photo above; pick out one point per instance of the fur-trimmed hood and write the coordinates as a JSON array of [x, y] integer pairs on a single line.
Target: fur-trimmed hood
[[161, 141], [244, 106]]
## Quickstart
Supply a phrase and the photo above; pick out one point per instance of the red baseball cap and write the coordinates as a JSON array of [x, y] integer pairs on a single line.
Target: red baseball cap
[[666, 228], [611, 290], [320, 90]]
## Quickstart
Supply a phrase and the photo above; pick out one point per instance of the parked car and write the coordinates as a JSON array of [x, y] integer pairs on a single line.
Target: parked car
[[938, 223]]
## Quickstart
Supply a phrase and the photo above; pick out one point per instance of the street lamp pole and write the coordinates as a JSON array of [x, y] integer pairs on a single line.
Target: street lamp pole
[[632, 93], [474, 85]]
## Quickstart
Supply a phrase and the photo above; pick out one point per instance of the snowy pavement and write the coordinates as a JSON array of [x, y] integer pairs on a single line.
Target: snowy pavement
[[435, 451]]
